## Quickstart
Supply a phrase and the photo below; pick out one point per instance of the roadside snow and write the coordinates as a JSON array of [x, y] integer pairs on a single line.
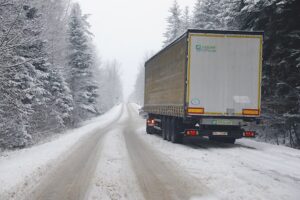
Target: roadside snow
[[21, 170], [135, 106], [246, 170]]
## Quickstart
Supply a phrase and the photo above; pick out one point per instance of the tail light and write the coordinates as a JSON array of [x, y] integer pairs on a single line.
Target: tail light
[[191, 132], [249, 134], [150, 122]]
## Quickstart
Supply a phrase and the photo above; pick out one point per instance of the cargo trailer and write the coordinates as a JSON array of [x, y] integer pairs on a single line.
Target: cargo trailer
[[205, 83]]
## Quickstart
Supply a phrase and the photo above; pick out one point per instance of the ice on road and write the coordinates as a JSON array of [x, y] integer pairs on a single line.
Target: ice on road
[[113, 158]]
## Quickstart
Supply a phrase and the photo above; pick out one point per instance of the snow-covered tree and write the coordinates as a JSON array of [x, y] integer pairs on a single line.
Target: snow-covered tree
[[186, 20], [29, 103], [197, 15], [207, 14], [17, 75], [174, 24], [81, 78], [15, 105], [55, 27]]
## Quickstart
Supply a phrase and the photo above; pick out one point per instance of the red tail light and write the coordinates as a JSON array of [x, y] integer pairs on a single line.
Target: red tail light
[[249, 134], [150, 122], [191, 132]]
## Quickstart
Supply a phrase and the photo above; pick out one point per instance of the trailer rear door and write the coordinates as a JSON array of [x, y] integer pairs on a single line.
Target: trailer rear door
[[224, 74]]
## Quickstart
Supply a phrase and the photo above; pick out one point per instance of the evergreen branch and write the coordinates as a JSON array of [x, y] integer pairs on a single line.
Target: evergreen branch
[[21, 63], [16, 45], [5, 3], [12, 25]]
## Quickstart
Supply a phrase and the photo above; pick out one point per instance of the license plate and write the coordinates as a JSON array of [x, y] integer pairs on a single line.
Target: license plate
[[220, 133]]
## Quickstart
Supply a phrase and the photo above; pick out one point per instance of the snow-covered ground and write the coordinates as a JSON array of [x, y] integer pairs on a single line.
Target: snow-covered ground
[[22, 170], [130, 164], [246, 170], [114, 177]]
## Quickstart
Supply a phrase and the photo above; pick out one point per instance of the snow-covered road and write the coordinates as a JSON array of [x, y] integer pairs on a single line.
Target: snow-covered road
[[113, 158]]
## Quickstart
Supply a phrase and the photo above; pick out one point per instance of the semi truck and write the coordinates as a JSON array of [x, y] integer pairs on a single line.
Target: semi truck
[[207, 83]]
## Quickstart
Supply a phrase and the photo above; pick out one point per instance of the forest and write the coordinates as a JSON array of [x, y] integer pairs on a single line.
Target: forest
[[279, 19], [51, 77]]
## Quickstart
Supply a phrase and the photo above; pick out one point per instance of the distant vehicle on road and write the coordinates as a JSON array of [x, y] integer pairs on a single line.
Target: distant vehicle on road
[[206, 83]]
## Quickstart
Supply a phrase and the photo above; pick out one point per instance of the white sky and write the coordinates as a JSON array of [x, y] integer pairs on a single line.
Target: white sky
[[127, 30]]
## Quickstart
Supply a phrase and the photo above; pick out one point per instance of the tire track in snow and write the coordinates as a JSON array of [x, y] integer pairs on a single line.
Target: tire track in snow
[[71, 178], [158, 177]]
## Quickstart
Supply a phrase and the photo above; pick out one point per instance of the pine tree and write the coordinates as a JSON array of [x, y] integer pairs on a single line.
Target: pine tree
[[186, 20], [207, 14], [82, 82], [197, 15], [17, 83], [28, 107], [174, 24], [55, 26], [16, 94]]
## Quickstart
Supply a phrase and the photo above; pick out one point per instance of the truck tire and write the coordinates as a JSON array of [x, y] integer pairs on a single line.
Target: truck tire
[[164, 128], [175, 135], [149, 130], [168, 124]]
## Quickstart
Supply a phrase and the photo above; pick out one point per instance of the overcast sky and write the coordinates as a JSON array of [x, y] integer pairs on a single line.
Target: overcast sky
[[126, 30]]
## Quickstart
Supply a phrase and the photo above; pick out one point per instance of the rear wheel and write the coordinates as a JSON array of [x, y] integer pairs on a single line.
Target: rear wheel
[[175, 131], [149, 130], [168, 124], [164, 128]]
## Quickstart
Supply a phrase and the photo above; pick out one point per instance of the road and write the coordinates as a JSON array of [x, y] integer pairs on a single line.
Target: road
[[157, 178], [120, 161]]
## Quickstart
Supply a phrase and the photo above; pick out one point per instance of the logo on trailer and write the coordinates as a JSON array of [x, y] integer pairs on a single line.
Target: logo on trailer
[[206, 48]]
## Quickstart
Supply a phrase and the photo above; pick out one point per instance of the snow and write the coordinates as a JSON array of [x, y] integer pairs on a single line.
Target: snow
[[246, 170], [21, 170], [114, 177]]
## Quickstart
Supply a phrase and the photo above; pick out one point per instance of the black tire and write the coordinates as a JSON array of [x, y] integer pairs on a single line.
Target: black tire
[[164, 125], [175, 129], [168, 128], [149, 130]]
